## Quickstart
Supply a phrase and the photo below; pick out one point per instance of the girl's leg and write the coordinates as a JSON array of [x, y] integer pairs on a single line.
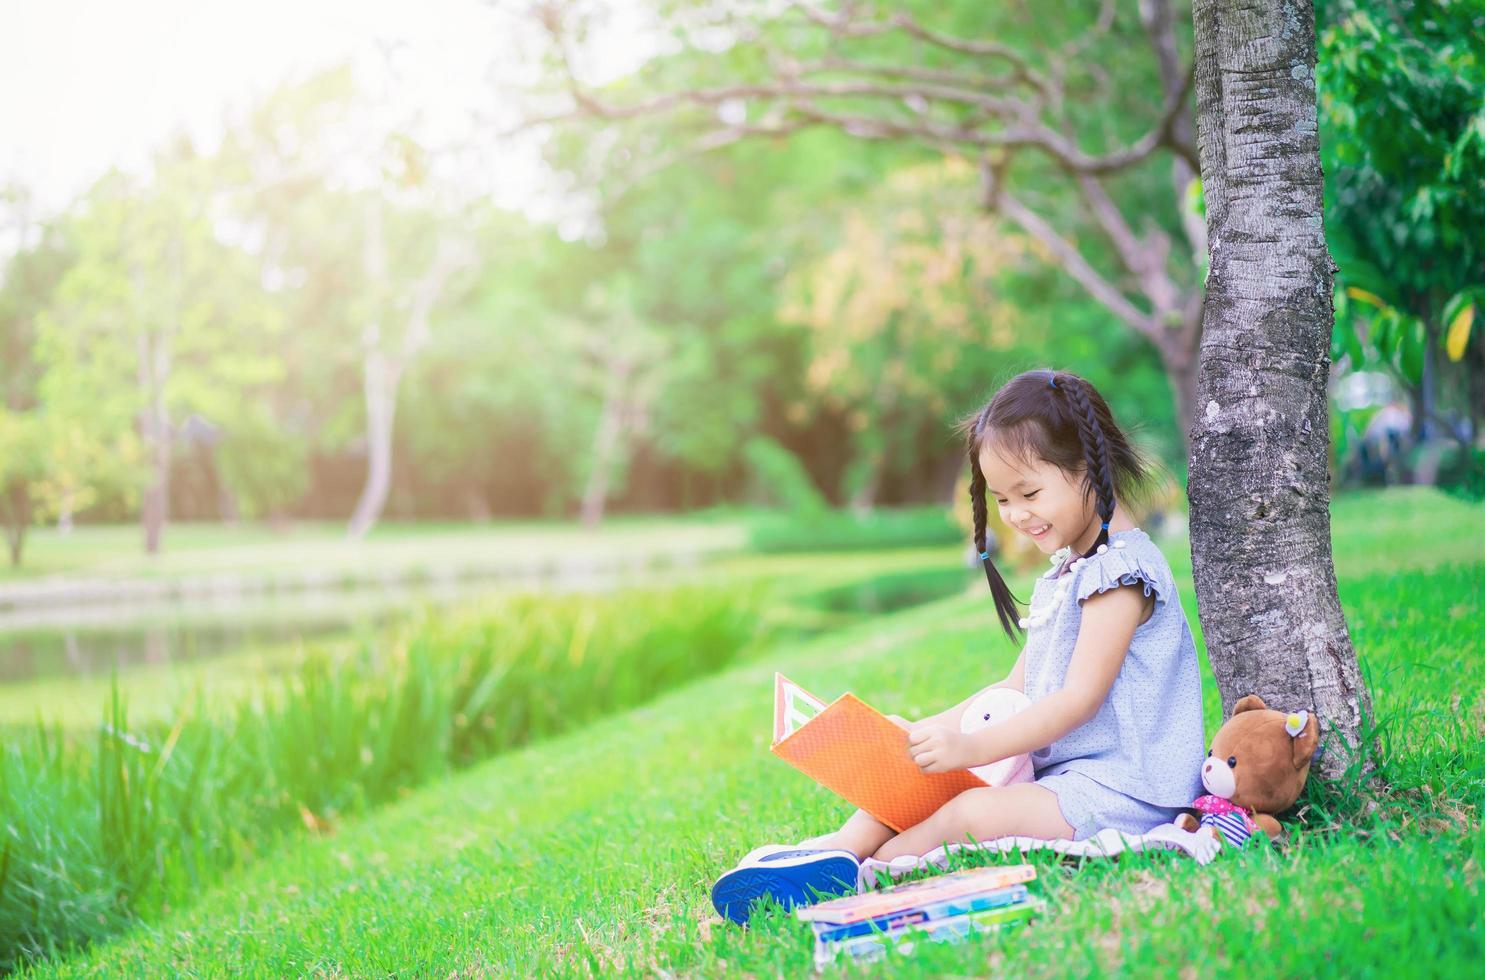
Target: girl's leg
[[1023, 810], [862, 834]]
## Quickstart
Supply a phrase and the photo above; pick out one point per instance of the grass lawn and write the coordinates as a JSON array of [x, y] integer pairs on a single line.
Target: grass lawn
[[594, 851]]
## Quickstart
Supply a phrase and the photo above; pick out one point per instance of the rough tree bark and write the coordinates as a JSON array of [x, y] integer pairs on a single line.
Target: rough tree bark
[[1259, 482]]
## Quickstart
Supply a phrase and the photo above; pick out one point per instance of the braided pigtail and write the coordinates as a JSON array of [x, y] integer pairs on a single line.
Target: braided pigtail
[[1005, 600], [1100, 464], [1061, 419]]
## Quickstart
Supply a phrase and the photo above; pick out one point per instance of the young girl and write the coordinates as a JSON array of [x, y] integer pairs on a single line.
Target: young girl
[[1115, 724]]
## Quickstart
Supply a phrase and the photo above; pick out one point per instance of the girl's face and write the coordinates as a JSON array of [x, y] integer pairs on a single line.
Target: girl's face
[[1041, 501]]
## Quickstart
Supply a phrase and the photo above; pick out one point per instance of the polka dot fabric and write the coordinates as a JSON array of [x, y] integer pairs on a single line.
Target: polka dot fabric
[[1141, 753]]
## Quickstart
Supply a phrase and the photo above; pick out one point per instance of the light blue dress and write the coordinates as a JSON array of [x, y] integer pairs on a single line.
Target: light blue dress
[[1137, 762]]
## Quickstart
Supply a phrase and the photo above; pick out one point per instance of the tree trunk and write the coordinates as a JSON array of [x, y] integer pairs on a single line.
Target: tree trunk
[[382, 380], [18, 518], [64, 516], [157, 495], [1259, 486], [607, 445], [1181, 371], [384, 363], [154, 369], [477, 505], [864, 494]]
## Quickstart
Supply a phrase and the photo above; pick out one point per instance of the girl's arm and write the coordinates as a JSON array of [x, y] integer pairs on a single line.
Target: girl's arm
[[950, 716], [1108, 622]]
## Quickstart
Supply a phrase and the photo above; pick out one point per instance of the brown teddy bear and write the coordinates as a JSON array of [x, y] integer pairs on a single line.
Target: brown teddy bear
[[1257, 767]]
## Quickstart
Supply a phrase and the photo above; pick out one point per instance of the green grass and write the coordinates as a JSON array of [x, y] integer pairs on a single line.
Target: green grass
[[104, 828], [843, 530], [593, 851]]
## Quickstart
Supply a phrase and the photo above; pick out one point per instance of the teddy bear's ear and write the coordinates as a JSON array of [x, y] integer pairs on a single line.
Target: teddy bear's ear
[[1251, 702], [1306, 739]]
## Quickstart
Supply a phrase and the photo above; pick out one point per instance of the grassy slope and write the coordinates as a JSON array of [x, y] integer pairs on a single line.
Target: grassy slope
[[596, 850]]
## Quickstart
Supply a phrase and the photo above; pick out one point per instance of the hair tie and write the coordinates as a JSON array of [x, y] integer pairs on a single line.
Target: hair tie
[[984, 556], [1105, 525], [1052, 380]]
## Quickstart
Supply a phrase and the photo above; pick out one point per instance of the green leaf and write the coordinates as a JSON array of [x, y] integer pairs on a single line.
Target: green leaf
[[1411, 346]]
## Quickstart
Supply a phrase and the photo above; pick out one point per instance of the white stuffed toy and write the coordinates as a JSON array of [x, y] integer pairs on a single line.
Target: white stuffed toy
[[990, 707]]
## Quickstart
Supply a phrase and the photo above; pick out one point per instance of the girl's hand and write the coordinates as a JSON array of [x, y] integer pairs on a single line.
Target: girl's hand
[[899, 719], [937, 748]]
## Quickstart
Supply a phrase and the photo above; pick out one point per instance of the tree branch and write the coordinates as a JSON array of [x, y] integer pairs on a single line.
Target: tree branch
[[796, 95], [1146, 260], [1026, 133], [1072, 260], [844, 26], [796, 89], [962, 80], [794, 99], [453, 255]]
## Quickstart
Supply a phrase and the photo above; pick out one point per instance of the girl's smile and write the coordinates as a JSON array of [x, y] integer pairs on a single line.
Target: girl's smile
[[1047, 504]]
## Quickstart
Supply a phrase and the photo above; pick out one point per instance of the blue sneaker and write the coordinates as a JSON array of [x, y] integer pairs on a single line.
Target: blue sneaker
[[792, 876]]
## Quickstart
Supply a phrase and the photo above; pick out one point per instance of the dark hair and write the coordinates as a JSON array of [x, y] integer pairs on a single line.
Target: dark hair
[[1061, 419]]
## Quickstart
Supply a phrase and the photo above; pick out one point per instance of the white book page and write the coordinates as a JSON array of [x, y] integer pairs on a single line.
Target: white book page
[[793, 706]]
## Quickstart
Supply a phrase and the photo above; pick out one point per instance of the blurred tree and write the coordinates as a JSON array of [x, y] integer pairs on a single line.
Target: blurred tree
[[396, 326], [31, 262], [725, 250], [507, 427], [22, 465], [156, 318], [702, 253], [55, 457], [1055, 86], [909, 316], [622, 362], [1402, 123], [363, 245], [273, 168]]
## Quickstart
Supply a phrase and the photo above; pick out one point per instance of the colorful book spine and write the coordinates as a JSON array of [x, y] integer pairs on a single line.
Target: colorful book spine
[[830, 932], [916, 894], [903, 940]]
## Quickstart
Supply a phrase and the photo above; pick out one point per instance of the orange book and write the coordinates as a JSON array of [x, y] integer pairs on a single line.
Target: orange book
[[861, 754]]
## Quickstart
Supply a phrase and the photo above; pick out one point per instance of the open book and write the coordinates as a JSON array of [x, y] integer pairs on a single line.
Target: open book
[[862, 755]]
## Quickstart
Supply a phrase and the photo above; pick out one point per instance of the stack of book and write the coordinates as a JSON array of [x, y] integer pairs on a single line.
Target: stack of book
[[945, 908]]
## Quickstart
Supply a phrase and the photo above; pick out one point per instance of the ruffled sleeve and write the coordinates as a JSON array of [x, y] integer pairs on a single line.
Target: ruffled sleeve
[[1117, 567]]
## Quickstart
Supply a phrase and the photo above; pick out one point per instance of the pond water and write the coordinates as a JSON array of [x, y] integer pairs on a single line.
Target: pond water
[[892, 591], [97, 638]]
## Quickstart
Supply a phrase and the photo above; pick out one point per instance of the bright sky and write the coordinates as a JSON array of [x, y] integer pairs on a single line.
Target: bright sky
[[88, 84]]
